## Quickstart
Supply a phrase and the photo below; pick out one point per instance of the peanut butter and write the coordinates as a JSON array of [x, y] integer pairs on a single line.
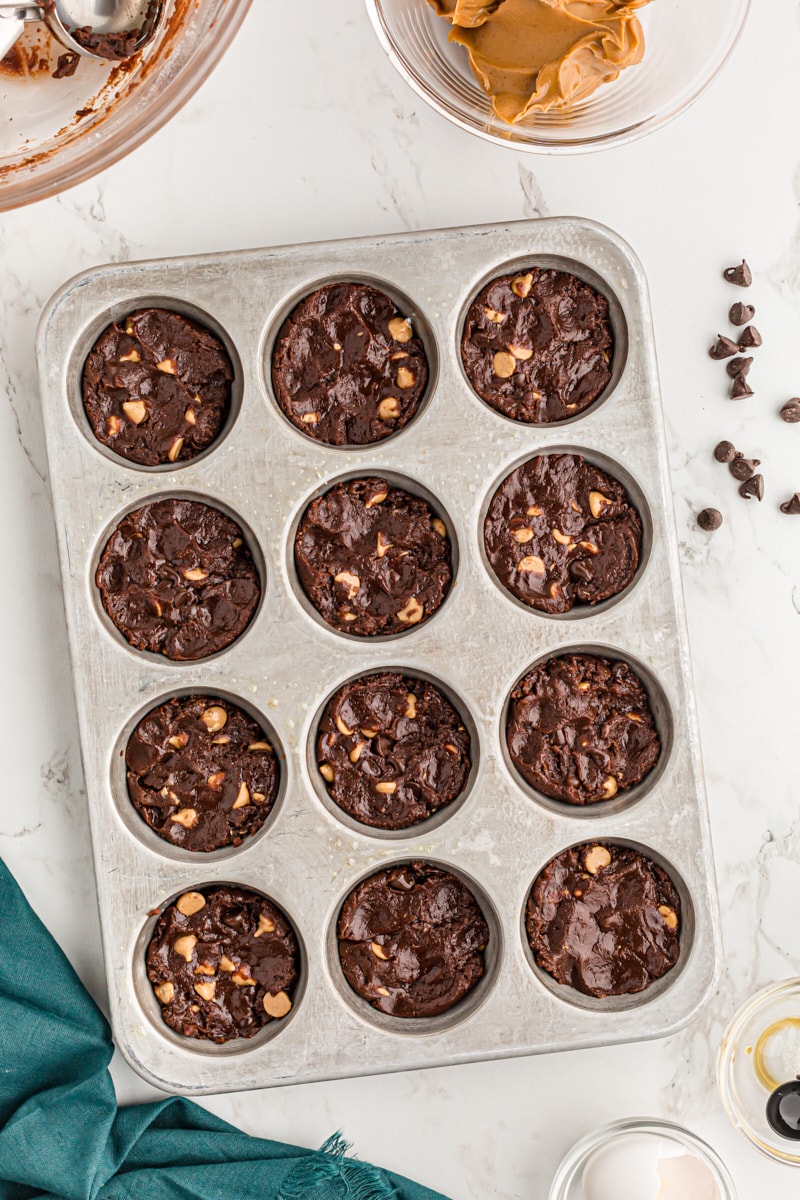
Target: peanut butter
[[537, 55]]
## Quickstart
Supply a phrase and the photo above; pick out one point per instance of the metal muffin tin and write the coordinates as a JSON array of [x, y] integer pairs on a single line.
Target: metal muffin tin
[[282, 670]]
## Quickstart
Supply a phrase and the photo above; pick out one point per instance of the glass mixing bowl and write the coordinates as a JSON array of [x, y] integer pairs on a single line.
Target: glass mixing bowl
[[759, 1051], [57, 132], [687, 44]]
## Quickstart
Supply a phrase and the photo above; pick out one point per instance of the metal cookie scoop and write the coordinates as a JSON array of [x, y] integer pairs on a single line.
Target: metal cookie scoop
[[100, 25]]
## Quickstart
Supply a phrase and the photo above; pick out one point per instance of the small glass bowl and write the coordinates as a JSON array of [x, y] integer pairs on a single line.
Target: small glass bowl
[[55, 133], [759, 1051], [687, 45], [568, 1181]]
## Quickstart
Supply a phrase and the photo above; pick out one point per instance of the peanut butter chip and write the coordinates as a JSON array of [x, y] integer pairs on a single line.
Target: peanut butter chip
[[521, 286], [165, 992], [412, 613], [265, 925], [523, 535], [521, 352], [190, 903], [135, 411], [400, 329], [226, 964], [132, 356], [596, 858], [242, 980], [277, 1006], [185, 817], [504, 364], [167, 366], [184, 946], [351, 582], [214, 719], [669, 915], [113, 426], [497, 318], [532, 563], [205, 990]]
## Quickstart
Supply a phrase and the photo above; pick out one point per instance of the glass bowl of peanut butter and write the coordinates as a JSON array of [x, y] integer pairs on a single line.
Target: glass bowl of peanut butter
[[559, 76]]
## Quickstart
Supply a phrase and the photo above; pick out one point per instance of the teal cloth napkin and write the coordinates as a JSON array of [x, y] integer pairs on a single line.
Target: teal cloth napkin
[[62, 1136]]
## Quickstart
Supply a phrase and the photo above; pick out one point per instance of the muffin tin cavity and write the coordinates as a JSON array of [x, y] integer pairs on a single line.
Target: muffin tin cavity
[[173, 555], [472, 993], [434, 765], [393, 577], [674, 921], [544, 521], [218, 967], [350, 362], [289, 662], [192, 772], [543, 341], [620, 798], [133, 379]]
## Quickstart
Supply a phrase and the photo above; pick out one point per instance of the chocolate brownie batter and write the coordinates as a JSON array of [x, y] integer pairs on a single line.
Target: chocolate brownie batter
[[177, 578], [372, 558], [561, 532], [538, 345], [156, 387], [392, 750], [580, 729], [347, 368], [411, 940], [604, 919], [201, 773], [223, 963]]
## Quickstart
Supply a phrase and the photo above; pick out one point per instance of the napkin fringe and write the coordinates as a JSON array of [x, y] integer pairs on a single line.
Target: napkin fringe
[[331, 1175]]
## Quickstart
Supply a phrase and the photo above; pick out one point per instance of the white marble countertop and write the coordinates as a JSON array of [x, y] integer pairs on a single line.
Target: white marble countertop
[[341, 147]]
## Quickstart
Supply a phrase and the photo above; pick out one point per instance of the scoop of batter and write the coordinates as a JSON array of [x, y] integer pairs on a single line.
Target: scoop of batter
[[535, 55]]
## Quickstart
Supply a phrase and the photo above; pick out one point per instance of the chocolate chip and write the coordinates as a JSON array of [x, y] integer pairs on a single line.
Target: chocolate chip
[[709, 519], [740, 388], [750, 337], [792, 507], [725, 452], [738, 366], [753, 487], [790, 413], [740, 313], [742, 276], [723, 347], [743, 468]]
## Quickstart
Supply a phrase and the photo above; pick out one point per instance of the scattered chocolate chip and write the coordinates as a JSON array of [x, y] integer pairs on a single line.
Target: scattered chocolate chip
[[725, 452], [742, 276], [790, 413], [792, 507], [738, 366], [740, 313], [723, 347], [743, 468], [709, 519], [750, 337], [753, 487], [740, 388]]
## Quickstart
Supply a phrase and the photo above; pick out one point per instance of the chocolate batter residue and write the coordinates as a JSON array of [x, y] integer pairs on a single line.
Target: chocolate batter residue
[[392, 750], [347, 367], [372, 558], [538, 345], [177, 578], [411, 940], [201, 773], [580, 729], [156, 387], [604, 919], [223, 963], [560, 532]]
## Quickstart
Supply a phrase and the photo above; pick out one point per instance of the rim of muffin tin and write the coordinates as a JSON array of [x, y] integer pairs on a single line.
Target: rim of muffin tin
[[493, 956], [86, 339], [136, 825], [636, 495], [570, 266], [574, 998], [420, 324], [442, 815], [663, 716], [191, 494], [151, 1008], [395, 479]]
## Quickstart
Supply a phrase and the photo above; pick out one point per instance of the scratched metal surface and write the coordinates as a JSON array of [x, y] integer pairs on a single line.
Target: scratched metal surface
[[288, 663]]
